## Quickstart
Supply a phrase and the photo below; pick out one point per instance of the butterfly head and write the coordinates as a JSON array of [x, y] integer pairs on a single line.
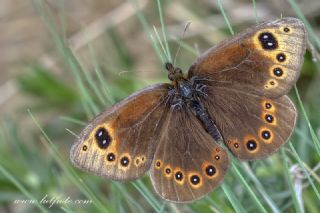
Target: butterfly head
[[174, 73]]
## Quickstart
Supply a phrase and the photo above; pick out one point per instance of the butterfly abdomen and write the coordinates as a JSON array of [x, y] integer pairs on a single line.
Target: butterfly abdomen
[[205, 119]]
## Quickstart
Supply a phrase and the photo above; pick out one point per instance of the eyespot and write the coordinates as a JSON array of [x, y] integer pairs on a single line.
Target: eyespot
[[195, 180], [124, 161], [281, 57], [271, 84], [278, 71], [268, 105], [103, 138], [286, 29], [251, 145], [168, 171], [178, 176], [137, 161], [266, 134], [233, 142], [217, 157], [111, 157], [268, 118], [158, 164], [84, 147], [210, 170], [268, 41]]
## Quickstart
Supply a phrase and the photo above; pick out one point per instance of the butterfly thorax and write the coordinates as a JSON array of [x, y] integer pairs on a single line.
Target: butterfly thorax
[[185, 89]]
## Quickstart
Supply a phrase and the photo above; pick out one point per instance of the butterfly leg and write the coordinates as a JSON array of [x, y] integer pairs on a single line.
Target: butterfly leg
[[199, 88], [176, 102]]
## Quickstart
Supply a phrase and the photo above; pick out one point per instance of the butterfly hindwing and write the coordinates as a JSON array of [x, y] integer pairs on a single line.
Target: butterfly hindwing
[[120, 142], [263, 60], [188, 162], [252, 126]]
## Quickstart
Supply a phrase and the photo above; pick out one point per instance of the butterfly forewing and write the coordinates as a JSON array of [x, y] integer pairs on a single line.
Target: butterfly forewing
[[263, 60], [188, 162], [120, 143], [246, 79]]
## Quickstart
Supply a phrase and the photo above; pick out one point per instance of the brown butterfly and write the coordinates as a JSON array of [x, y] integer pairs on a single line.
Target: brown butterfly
[[233, 94]]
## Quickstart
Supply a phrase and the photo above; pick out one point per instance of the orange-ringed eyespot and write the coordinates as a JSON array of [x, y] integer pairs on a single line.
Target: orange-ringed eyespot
[[125, 161], [251, 145], [111, 157], [266, 134], [210, 170], [178, 176], [195, 179]]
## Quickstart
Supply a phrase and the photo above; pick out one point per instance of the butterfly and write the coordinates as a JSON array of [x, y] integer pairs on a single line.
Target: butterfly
[[233, 96]]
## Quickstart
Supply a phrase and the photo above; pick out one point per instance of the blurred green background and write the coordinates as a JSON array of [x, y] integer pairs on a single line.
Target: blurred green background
[[64, 61]]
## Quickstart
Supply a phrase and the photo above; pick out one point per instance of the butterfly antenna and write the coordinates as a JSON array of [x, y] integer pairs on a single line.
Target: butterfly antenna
[[184, 31], [72, 133]]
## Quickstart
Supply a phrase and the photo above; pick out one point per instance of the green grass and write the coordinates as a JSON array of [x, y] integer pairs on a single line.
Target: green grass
[[35, 162]]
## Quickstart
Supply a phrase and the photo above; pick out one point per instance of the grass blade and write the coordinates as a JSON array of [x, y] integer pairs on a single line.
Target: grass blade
[[21, 188], [295, 154], [296, 204], [261, 189], [314, 137], [246, 185], [164, 31], [146, 28], [139, 185], [232, 198], [255, 10], [225, 17], [69, 171], [312, 34]]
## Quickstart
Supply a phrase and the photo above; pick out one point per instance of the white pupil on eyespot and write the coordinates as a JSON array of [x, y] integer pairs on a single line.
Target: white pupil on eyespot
[[104, 141], [265, 36], [270, 44], [100, 133]]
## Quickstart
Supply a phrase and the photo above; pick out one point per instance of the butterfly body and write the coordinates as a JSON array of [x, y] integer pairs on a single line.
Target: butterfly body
[[235, 93], [186, 94]]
